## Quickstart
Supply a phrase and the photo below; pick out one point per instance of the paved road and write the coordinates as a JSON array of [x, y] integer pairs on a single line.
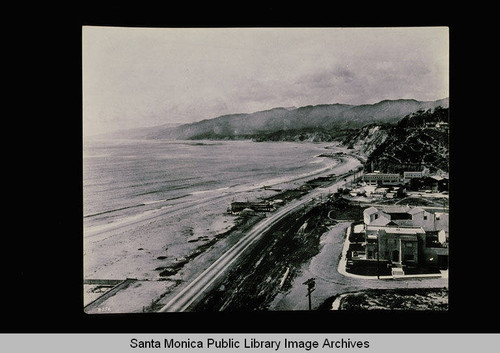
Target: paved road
[[204, 282], [329, 282]]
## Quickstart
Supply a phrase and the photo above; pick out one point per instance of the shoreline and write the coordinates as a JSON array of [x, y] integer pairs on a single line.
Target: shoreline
[[191, 198], [141, 257]]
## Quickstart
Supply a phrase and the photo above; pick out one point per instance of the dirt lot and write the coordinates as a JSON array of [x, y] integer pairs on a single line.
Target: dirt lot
[[272, 264]]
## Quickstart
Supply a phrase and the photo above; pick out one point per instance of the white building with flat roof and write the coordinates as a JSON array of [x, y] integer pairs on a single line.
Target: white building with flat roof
[[407, 176], [377, 178]]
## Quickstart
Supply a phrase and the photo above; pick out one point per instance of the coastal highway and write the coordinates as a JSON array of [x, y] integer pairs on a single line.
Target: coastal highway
[[204, 281]]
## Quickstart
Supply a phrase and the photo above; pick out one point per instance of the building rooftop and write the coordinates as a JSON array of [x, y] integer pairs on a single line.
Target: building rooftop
[[404, 223], [394, 209], [382, 221], [401, 231], [378, 173], [415, 210], [370, 210]]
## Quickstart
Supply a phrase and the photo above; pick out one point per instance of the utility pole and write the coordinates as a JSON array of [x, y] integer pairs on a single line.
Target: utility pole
[[311, 283], [378, 268]]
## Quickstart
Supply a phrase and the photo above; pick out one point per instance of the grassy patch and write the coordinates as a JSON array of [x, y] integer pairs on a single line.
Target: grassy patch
[[253, 284], [435, 299]]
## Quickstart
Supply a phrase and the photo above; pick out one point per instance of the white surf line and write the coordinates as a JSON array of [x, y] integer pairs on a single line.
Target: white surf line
[[172, 209], [182, 300], [149, 215], [120, 223]]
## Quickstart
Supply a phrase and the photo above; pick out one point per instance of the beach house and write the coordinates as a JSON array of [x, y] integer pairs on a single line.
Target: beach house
[[406, 236]]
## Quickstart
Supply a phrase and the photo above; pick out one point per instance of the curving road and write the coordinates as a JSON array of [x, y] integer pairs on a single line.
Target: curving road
[[204, 282], [331, 279]]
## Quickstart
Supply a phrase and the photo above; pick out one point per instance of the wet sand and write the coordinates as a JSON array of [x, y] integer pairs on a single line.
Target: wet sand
[[141, 246]]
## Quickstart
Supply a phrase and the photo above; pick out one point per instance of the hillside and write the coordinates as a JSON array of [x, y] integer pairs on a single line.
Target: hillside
[[419, 139], [368, 138], [315, 123]]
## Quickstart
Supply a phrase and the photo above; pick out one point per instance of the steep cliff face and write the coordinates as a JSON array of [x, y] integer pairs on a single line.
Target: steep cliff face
[[420, 139], [367, 139], [411, 150]]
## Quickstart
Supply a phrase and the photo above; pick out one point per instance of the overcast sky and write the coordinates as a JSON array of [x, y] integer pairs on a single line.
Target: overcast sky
[[137, 77]]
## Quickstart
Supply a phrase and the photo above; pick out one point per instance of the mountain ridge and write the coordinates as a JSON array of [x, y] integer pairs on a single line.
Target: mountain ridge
[[322, 117]]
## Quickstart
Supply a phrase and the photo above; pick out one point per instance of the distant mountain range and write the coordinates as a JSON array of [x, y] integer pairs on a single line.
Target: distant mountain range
[[310, 122]]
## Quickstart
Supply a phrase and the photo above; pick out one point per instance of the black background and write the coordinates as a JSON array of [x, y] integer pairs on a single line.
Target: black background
[[42, 263]]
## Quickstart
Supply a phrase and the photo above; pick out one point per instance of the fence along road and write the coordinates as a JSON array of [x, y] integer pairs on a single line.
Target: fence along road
[[194, 290]]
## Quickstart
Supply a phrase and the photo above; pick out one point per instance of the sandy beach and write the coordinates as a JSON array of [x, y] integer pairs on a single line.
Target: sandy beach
[[139, 247]]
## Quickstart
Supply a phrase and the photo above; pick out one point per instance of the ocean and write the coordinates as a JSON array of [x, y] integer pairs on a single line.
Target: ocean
[[149, 203], [124, 178]]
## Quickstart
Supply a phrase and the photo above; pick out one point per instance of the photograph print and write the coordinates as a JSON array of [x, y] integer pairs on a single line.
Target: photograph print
[[265, 169]]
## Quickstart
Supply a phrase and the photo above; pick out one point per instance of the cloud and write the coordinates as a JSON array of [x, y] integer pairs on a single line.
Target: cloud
[[151, 76], [344, 73], [327, 78]]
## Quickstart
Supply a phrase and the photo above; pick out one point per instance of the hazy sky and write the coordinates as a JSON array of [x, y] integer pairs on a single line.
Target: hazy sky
[[136, 77]]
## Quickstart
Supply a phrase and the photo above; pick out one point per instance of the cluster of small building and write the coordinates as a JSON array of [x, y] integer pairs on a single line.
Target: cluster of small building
[[412, 179], [248, 208], [377, 192], [377, 185], [402, 237]]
